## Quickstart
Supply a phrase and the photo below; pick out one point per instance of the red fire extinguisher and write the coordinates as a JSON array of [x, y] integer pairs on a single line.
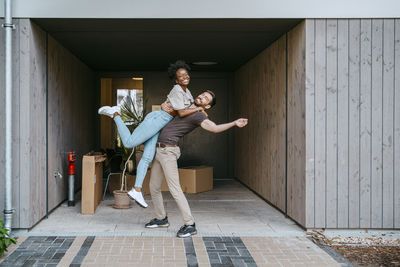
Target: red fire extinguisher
[[71, 178]]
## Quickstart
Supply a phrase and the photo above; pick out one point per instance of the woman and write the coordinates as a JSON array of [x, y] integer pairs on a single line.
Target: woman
[[178, 102]]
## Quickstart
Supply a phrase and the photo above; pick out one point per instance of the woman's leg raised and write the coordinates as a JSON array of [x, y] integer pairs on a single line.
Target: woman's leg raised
[[151, 125]]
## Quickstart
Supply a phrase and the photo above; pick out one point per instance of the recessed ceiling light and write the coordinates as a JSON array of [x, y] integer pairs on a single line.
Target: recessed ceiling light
[[204, 63], [137, 78]]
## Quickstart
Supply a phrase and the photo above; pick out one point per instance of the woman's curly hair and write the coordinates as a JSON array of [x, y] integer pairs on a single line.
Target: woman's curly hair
[[173, 68]]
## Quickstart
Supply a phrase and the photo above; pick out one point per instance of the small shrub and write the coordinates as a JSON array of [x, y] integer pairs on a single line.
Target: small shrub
[[5, 239]]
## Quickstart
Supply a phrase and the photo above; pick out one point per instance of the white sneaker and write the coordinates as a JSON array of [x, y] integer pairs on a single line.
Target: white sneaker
[[109, 111], [138, 197]]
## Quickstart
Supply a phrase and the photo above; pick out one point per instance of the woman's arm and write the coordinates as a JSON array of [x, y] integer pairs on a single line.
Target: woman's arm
[[188, 111]]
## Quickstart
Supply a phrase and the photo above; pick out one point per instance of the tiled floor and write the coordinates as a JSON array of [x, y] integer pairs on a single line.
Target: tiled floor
[[167, 251], [235, 228], [228, 210]]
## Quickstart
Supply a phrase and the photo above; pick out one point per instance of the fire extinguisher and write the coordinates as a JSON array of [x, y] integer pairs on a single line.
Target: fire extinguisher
[[71, 178]]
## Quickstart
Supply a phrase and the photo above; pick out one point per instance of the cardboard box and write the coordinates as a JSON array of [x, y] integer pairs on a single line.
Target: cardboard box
[[196, 179], [92, 181]]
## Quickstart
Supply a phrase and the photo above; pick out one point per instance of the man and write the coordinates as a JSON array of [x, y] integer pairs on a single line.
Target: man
[[165, 162]]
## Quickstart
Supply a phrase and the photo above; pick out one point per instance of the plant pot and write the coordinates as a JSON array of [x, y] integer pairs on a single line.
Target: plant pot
[[121, 200]]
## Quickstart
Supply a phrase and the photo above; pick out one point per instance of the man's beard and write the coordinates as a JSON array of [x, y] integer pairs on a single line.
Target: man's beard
[[195, 103]]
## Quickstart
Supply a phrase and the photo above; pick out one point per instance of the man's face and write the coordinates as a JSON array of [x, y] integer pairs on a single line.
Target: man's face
[[204, 100], [182, 77]]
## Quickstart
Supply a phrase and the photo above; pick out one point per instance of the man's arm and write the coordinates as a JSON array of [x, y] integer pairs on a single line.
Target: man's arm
[[214, 128]]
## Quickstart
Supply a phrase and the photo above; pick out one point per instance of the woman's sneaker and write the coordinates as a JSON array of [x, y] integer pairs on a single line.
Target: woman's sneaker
[[109, 111], [138, 197], [155, 223], [187, 230]]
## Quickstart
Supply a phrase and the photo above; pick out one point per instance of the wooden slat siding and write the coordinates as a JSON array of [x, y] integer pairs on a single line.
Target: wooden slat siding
[[16, 128], [263, 75], [37, 90], [343, 124], [25, 122], [376, 131], [397, 125], [320, 123], [296, 124], [354, 123], [388, 106], [365, 124], [368, 185], [71, 105], [309, 120], [331, 123]]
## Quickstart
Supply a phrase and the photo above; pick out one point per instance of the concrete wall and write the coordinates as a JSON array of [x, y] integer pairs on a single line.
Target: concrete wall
[[353, 119], [71, 110]]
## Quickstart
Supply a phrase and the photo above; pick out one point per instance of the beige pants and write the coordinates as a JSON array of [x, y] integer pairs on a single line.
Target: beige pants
[[165, 165]]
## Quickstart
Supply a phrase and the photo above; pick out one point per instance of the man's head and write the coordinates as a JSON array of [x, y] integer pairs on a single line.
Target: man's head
[[206, 100]]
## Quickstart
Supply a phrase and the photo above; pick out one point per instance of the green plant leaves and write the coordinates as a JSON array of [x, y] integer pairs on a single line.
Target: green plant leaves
[[5, 239]]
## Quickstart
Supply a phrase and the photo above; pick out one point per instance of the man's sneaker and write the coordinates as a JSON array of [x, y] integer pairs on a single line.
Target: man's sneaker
[[187, 230], [109, 111], [155, 223], [138, 197]]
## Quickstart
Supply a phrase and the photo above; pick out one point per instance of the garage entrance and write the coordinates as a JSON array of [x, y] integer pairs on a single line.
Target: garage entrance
[[248, 72]]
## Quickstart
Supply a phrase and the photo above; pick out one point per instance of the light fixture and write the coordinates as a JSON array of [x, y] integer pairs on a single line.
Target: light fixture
[[137, 78], [204, 63]]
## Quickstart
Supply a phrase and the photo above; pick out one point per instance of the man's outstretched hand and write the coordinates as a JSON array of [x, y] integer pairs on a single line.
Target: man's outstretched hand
[[241, 122]]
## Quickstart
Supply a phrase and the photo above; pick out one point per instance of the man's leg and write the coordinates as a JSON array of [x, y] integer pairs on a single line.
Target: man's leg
[[156, 177], [168, 159]]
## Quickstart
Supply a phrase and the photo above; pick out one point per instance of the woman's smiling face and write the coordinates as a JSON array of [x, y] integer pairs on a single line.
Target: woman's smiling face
[[182, 77]]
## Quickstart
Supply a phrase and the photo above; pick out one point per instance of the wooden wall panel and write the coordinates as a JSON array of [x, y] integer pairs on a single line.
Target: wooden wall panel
[[396, 139], [309, 122], [72, 115], [16, 143], [343, 124], [365, 123], [376, 122], [320, 123], [355, 125], [388, 118], [296, 150], [331, 123], [260, 87]]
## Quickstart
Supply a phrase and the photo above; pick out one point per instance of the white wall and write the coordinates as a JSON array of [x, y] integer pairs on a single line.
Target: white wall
[[204, 9]]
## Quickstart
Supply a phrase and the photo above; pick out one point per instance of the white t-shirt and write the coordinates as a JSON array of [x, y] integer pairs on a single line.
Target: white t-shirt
[[179, 99]]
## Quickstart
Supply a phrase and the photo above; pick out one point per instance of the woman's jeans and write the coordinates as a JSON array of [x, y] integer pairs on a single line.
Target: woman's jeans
[[147, 132]]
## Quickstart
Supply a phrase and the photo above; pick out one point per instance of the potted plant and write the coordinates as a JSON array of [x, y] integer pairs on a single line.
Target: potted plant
[[132, 118]]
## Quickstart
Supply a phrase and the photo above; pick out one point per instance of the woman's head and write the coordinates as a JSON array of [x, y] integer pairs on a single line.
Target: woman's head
[[179, 73]]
